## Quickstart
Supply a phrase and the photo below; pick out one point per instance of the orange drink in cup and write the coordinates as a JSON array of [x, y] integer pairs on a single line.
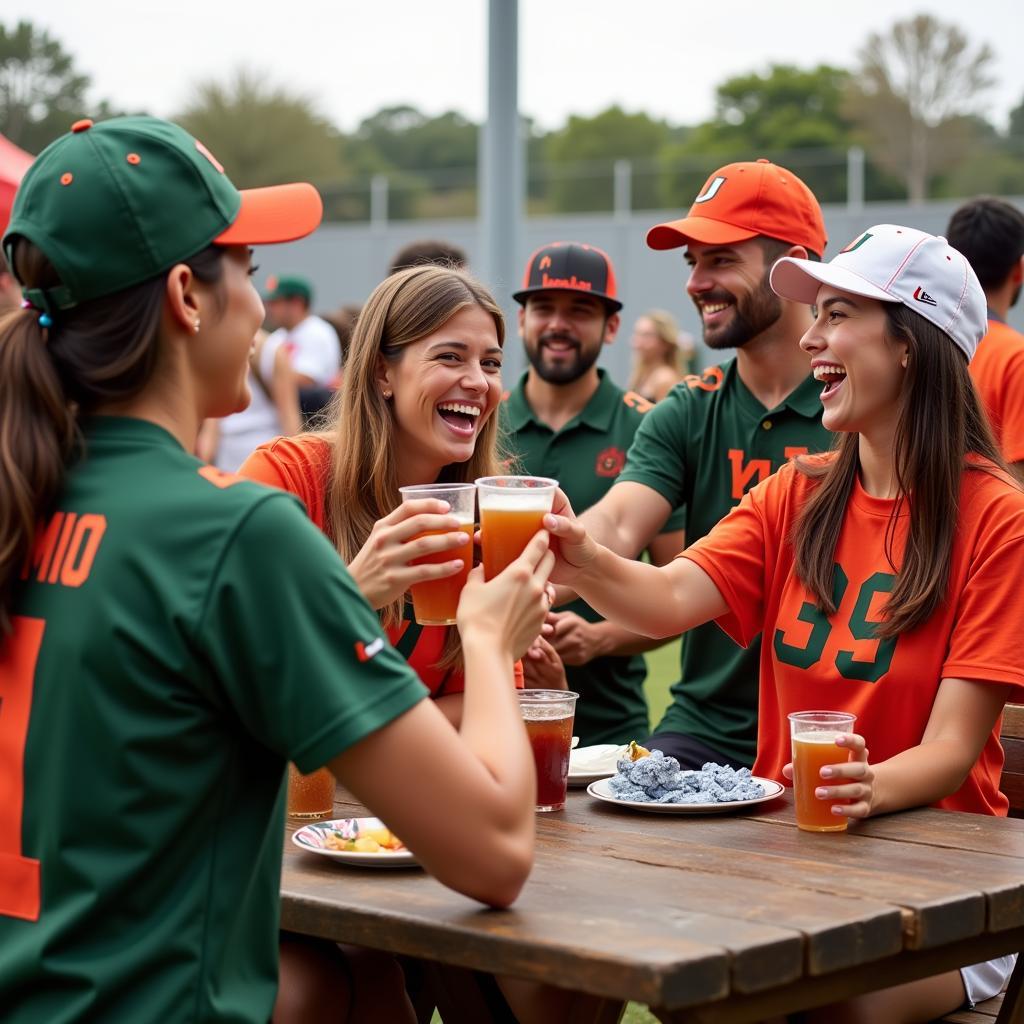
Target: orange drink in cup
[[813, 734], [512, 510], [311, 796], [435, 602]]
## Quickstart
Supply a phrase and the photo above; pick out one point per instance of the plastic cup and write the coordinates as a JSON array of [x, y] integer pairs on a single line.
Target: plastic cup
[[435, 602], [548, 715], [310, 797], [813, 734], [512, 510]]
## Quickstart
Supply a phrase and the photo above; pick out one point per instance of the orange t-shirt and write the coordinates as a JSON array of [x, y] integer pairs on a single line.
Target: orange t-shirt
[[998, 373], [811, 662], [301, 466]]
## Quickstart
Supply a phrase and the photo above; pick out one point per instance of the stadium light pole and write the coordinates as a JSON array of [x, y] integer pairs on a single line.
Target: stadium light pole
[[501, 168]]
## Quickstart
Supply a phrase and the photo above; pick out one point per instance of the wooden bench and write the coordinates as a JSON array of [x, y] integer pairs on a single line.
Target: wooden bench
[[1012, 784]]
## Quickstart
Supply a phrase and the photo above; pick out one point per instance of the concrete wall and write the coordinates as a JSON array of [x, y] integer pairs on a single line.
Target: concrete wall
[[345, 262]]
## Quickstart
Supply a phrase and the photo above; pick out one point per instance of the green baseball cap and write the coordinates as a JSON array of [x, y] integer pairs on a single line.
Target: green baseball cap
[[117, 203], [288, 286]]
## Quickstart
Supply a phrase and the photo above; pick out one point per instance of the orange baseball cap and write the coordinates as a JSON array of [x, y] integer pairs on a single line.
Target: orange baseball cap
[[747, 200]]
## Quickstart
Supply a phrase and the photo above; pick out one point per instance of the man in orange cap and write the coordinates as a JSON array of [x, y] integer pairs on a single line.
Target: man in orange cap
[[716, 435]]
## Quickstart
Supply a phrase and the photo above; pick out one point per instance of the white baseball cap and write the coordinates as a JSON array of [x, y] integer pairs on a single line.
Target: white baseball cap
[[897, 264]]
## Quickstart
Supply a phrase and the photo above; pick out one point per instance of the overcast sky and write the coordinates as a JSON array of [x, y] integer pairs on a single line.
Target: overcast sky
[[664, 57]]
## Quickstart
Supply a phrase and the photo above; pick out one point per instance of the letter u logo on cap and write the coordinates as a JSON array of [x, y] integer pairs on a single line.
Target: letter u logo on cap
[[711, 191]]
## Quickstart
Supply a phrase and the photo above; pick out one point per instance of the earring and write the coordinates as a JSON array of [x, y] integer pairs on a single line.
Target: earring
[[195, 326], [387, 396]]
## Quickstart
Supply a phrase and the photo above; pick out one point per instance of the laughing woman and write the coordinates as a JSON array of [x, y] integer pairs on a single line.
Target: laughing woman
[[422, 383], [886, 573]]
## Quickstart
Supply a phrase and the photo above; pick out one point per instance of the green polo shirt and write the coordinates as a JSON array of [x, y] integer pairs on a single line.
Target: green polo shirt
[[586, 457], [704, 446]]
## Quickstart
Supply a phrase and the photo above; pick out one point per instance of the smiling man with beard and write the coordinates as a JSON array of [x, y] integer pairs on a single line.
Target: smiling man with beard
[[716, 435], [566, 419]]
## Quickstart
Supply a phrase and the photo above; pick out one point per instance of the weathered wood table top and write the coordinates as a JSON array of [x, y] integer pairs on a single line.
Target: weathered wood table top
[[716, 918]]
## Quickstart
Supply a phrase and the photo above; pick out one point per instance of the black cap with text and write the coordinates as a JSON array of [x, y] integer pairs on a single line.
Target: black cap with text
[[570, 266]]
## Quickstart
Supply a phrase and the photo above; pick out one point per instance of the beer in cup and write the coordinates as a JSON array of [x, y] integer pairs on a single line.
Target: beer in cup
[[512, 510]]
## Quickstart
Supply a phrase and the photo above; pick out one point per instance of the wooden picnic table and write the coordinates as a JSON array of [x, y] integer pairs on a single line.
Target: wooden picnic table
[[714, 920]]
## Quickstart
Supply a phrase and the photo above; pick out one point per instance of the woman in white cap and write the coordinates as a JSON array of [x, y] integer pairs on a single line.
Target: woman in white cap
[[891, 564]]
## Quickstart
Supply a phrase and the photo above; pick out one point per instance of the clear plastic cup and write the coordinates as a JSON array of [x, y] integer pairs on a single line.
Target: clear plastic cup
[[548, 715], [813, 734], [310, 797], [435, 602], [512, 510]]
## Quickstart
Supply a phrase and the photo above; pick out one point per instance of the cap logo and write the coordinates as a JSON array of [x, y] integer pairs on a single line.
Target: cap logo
[[711, 191], [922, 296], [572, 283], [545, 262], [857, 242], [209, 156]]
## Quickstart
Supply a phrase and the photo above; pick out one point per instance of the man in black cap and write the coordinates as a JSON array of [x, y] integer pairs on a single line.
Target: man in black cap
[[567, 420]]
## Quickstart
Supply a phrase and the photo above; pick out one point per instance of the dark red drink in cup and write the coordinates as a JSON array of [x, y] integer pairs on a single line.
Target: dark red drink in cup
[[548, 715]]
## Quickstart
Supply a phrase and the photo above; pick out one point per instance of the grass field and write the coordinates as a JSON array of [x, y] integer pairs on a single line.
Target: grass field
[[662, 672]]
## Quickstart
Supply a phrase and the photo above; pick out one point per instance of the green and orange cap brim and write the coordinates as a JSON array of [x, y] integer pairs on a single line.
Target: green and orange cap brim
[[277, 213]]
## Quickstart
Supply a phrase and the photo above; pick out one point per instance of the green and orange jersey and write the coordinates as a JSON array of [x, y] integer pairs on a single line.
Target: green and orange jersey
[[179, 635], [586, 456], [998, 373], [301, 465], [703, 446], [812, 661]]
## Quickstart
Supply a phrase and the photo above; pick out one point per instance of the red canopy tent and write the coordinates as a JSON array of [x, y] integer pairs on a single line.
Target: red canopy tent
[[14, 162]]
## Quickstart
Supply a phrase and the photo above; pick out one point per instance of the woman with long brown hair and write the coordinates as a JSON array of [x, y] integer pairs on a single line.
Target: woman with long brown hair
[[171, 636], [884, 575], [417, 405]]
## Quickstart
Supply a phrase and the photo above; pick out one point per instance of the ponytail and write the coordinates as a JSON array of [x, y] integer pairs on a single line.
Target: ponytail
[[102, 351], [37, 434]]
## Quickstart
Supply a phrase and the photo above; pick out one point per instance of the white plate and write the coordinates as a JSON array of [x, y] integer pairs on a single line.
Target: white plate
[[602, 790], [312, 837], [594, 769]]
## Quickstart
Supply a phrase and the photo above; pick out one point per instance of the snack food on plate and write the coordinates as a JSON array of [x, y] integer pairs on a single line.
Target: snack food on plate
[[659, 779], [369, 840]]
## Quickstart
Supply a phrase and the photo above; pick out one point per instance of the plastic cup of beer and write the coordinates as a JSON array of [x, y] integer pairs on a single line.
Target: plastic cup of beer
[[512, 510], [435, 602], [310, 797], [548, 715], [814, 745]]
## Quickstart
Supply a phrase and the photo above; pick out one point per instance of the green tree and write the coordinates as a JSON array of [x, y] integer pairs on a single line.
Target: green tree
[[790, 115], [41, 93], [580, 159], [913, 94], [430, 162], [263, 134]]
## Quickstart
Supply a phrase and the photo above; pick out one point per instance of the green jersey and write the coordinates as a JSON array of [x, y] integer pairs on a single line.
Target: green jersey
[[705, 445], [179, 635], [586, 457]]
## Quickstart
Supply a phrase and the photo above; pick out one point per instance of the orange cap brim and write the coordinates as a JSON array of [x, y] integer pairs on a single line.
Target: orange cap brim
[[696, 229], [280, 213]]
